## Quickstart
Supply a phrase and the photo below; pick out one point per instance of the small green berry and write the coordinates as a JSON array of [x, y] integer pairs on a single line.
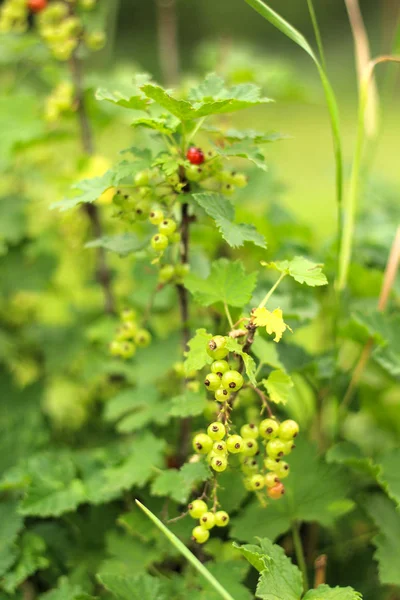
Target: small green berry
[[257, 482], [249, 430], [200, 535], [207, 520], [159, 242], [219, 463], [197, 508], [250, 447], [212, 382], [221, 518], [271, 479], [232, 381], [142, 178], [234, 444], [127, 349], [220, 367], [202, 443], [216, 431], [166, 273], [219, 447], [268, 429], [283, 469], [221, 395], [216, 347], [156, 216], [288, 430], [275, 448], [167, 227], [272, 464], [142, 338]]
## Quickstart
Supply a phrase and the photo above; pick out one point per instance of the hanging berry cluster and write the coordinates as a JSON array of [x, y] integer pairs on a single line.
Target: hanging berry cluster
[[129, 336], [208, 519], [258, 451]]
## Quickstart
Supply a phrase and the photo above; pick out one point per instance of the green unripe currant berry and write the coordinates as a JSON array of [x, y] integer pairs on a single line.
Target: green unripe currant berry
[[167, 227], [250, 447], [288, 430], [142, 210], [142, 178], [95, 40], [180, 269], [219, 447], [212, 382], [221, 518], [216, 431], [115, 348], [127, 349], [173, 179], [219, 463], [207, 520], [275, 448], [144, 191], [271, 479], [159, 242], [200, 535], [194, 173], [228, 189], [257, 482], [202, 443], [283, 469], [216, 347], [219, 367], [197, 508], [166, 273], [249, 465], [232, 381], [272, 464], [128, 314], [234, 444], [221, 395], [126, 331], [268, 429], [142, 338], [156, 216], [247, 484], [289, 446], [239, 180], [87, 4], [249, 430]]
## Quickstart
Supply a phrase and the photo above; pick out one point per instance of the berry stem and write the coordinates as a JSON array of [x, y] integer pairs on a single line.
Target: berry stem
[[228, 315], [298, 548], [103, 274], [271, 291], [263, 398]]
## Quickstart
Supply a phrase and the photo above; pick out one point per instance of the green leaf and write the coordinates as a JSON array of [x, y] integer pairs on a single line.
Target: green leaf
[[280, 579], [301, 269], [389, 474], [305, 499], [178, 485], [137, 102], [187, 554], [188, 404], [54, 488], [66, 590], [197, 357], [324, 592], [386, 517], [223, 213], [11, 524], [267, 353], [182, 109], [167, 125], [122, 244], [88, 190], [132, 587], [234, 135], [278, 386], [230, 574], [248, 361], [31, 560], [227, 283], [243, 149], [347, 453], [138, 407]]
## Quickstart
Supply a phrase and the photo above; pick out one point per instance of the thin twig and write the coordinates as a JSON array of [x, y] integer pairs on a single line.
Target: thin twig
[[168, 41], [263, 398], [298, 548], [103, 274], [320, 570]]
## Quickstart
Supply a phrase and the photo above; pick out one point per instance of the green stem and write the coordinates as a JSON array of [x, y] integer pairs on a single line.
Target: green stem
[[196, 129], [228, 315], [352, 199], [317, 33], [271, 291], [298, 548]]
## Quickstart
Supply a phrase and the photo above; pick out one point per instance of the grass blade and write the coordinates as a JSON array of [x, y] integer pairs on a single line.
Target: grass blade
[[186, 553]]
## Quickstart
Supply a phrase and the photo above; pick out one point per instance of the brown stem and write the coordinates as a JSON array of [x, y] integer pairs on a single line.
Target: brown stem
[[263, 399], [184, 310], [168, 41], [320, 570], [103, 274]]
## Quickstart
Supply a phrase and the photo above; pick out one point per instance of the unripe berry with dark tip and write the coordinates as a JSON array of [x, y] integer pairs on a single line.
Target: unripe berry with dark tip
[[268, 429], [219, 463], [249, 430], [232, 381], [257, 482], [220, 367], [275, 448], [200, 535], [250, 447], [212, 382], [234, 444], [216, 431], [202, 443], [288, 430], [221, 395], [197, 508], [216, 347], [207, 520], [221, 518]]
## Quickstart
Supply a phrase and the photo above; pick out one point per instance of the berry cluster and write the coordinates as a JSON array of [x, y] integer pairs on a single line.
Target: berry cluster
[[58, 23], [207, 170], [60, 101], [198, 509], [129, 336]]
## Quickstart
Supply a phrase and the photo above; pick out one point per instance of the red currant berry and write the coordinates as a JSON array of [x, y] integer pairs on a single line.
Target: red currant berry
[[37, 6], [276, 491], [195, 156]]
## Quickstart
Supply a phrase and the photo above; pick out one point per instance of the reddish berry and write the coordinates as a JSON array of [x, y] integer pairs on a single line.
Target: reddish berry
[[276, 491], [37, 5], [195, 156]]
